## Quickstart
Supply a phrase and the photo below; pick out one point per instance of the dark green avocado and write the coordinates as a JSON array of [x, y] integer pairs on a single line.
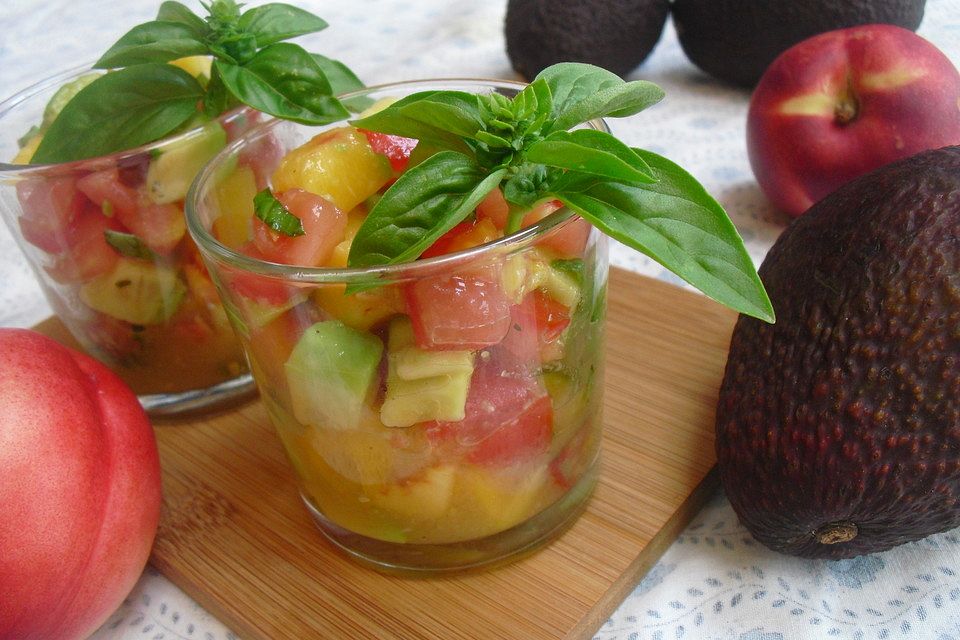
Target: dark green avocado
[[614, 34], [736, 40], [838, 428]]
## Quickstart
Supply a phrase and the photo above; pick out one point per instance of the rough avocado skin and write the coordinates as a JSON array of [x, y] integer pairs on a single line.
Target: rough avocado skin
[[736, 40], [614, 34], [844, 417]]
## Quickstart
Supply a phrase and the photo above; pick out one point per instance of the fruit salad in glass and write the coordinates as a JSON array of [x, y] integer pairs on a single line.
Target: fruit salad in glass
[[96, 166], [107, 238], [425, 324]]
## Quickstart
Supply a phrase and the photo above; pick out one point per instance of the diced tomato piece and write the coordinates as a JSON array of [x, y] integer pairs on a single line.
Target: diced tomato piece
[[106, 187], [262, 156], [569, 241], [552, 317], [160, 226], [111, 338], [87, 255], [494, 208], [536, 324], [522, 339], [465, 310], [255, 287], [324, 228], [466, 235], [50, 206], [396, 148], [509, 416]]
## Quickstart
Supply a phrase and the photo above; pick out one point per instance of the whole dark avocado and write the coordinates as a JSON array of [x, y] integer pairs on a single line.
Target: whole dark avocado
[[736, 40], [614, 34], [838, 428]]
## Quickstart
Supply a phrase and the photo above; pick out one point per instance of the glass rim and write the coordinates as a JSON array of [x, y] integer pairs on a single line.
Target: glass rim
[[516, 241], [10, 103]]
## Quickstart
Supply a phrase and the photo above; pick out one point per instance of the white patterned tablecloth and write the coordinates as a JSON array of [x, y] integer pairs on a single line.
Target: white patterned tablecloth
[[715, 582]]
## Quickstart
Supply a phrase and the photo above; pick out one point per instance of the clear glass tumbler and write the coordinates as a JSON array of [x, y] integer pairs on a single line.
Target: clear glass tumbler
[[448, 413], [107, 240]]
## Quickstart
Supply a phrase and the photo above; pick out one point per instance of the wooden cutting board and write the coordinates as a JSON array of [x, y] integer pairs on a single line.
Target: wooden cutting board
[[235, 536]]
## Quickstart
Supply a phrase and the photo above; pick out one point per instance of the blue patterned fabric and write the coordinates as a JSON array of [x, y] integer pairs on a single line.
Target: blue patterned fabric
[[715, 582]]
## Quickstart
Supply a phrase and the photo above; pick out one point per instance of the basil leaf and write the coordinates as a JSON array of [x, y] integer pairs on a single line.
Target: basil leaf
[[582, 92], [678, 224], [121, 110], [342, 80], [424, 203], [274, 22], [283, 80], [217, 99], [591, 151], [392, 120], [155, 41], [340, 77], [275, 215], [172, 11], [127, 244], [455, 111]]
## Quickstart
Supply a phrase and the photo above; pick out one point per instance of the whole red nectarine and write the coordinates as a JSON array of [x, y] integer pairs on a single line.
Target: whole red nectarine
[[79, 489], [845, 102]]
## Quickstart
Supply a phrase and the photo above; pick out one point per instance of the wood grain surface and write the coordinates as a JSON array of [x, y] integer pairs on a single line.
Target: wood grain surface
[[235, 536]]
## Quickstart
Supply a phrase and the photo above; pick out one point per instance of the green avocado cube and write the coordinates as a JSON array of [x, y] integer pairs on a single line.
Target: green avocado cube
[[423, 385], [170, 173], [135, 291], [331, 372]]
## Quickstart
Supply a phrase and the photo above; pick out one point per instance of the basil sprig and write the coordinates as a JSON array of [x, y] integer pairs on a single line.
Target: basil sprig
[[525, 145], [144, 99]]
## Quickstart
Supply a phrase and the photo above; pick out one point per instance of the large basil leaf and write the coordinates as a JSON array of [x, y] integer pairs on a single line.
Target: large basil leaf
[[121, 110], [173, 11], [394, 121], [285, 81], [678, 224], [342, 80], [591, 151], [275, 22], [582, 92], [454, 111], [154, 41], [424, 203]]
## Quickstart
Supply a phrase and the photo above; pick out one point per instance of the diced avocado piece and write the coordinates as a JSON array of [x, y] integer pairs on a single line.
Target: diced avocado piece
[[330, 373], [414, 364], [562, 287], [423, 385], [173, 170], [526, 272], [135, 291]]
